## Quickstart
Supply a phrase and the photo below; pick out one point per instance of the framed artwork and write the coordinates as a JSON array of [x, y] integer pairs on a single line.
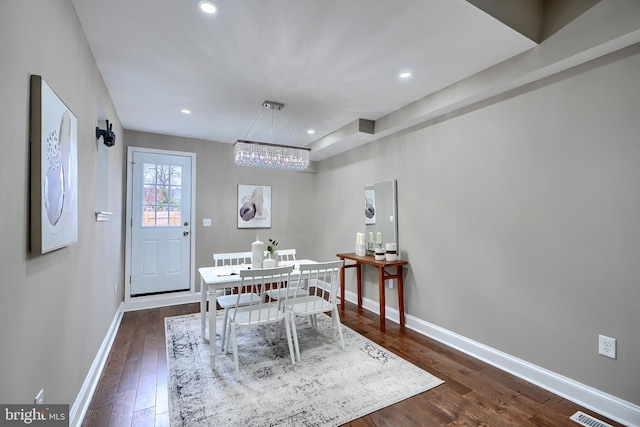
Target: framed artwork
[[370, 206], [254, 206], [53, 135]]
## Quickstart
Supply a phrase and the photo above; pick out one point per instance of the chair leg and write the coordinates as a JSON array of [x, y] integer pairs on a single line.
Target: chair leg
[[294, 332], [224, 329], [288, 328], [334, 325], [203, 312], [339, 324], [228, 334], [234, 344]]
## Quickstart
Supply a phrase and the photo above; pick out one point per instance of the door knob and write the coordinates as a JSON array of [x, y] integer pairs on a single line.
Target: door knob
[[185, 233]]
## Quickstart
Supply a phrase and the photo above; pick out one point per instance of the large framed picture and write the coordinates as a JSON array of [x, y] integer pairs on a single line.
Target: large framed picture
[[53, 135], [254, 206]]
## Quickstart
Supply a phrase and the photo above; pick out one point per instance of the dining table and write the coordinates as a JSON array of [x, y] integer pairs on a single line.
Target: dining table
[[213, 279]]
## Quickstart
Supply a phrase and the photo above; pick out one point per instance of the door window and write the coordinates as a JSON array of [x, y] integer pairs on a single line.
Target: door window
[[162, 195]]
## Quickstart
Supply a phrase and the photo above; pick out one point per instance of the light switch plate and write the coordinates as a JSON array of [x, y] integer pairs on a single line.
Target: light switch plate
[[206, 222]]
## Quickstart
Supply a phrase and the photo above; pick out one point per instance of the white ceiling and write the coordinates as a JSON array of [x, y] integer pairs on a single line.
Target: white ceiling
[[330, 62]]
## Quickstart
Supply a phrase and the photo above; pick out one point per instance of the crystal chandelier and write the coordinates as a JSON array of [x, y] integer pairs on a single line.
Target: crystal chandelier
[[265, 155]]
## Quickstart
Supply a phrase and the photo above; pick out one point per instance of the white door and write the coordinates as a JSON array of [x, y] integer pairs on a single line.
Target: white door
[[160, 223]]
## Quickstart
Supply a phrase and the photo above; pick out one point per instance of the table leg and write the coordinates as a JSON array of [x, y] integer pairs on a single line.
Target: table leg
[[382, 299], [212, 329], [342, 286], [359, 276], [400, 294], [203, 307]]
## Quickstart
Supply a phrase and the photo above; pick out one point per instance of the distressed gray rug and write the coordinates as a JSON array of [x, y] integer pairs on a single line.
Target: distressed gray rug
[[328, 387]]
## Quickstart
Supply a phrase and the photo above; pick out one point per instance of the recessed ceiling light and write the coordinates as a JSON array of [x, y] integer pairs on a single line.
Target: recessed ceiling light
[[311, 131], [185, 111], [207, 6], [405, 74]]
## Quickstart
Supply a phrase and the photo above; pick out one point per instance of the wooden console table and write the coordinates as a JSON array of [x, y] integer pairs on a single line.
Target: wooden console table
[[382, 276]]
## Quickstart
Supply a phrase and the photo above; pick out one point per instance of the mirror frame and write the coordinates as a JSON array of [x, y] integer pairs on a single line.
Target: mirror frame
[[394, 211]]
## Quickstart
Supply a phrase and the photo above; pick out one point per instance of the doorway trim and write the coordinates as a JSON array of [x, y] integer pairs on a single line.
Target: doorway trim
[[159, 300]]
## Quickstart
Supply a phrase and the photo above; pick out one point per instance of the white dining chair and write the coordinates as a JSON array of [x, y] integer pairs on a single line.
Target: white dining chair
[[243, 296], [319, 296], [232, 259], [259, 312], [286, 255]]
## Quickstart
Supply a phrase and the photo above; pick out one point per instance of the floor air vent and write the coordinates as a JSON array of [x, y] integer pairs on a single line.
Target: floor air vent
[[588, 420]]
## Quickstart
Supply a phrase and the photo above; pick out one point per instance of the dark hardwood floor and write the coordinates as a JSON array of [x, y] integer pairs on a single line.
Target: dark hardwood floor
[[133, 388]]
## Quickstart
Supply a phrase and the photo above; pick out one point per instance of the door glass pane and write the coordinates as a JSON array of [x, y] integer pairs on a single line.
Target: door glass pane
[[149, 173], [148, 215], [162, 195], [176, 175], [162, 216]]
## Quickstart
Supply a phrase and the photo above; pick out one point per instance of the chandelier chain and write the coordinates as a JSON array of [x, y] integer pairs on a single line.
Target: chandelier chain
[[254, 122]]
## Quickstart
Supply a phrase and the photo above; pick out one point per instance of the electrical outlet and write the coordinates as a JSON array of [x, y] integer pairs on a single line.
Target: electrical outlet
[[115, 289], [206, 222], [607, 346], [390, 284], [39, 400]]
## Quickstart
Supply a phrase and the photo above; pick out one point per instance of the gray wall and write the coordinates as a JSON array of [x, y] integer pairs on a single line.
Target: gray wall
[[55, 309], [293, 197], [520, 220]]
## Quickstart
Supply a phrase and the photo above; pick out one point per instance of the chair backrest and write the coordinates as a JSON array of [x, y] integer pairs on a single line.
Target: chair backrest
[[286, 254], [231, 258], [318, 280], [259, 280]]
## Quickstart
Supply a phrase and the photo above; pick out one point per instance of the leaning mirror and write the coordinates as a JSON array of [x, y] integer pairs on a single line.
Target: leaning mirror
[[380, 208]]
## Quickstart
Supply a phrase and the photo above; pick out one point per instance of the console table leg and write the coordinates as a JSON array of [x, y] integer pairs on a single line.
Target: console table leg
[[382, 299], [359, 275], [400, 294], [342, 286]]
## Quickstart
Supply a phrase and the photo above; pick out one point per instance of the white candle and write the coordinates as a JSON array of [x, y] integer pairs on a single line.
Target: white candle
[[371, 236], [391, 253], [378, 237]]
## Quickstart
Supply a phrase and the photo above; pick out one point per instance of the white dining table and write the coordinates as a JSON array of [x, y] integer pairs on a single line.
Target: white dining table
[[213, 279]]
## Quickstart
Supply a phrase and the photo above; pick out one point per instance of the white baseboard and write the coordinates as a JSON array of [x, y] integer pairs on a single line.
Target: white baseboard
[[79, 408], [160, 300], [598, 401]]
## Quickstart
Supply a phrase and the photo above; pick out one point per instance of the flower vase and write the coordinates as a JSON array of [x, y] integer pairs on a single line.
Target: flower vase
[[269, 262]]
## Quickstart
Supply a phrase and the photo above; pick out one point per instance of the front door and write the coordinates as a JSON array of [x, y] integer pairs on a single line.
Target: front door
[[160, 223]]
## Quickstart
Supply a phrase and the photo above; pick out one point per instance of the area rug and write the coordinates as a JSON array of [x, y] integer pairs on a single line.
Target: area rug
[[329, 387]]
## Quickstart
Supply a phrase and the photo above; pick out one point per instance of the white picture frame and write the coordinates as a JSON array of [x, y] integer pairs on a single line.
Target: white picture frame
[[254, 206], [53, 135]]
